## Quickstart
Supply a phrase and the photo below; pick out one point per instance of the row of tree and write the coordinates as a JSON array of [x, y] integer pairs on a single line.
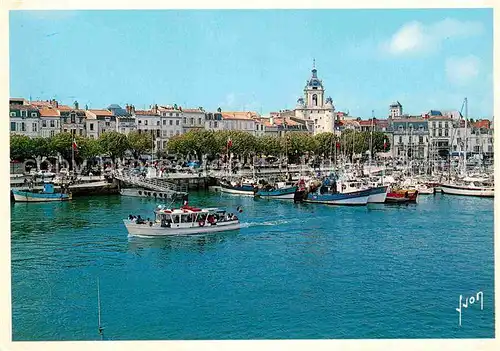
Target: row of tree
[[112, 144], [197, 143]]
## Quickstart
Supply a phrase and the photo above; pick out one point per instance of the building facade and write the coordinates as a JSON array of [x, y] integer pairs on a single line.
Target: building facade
[[410, 138], [24, 119]]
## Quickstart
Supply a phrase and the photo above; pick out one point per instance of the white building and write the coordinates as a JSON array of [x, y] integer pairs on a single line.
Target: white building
[[193, 119], [50, 121], [170, 123], [98, 122], [314, 107], [243, 121], [24, 119], [214, 121]]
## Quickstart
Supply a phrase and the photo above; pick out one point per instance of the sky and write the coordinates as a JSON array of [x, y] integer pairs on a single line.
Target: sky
[[256, 60]]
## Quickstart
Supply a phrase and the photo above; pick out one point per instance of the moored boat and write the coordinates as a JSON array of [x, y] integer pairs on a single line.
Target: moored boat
[[186, 220], [47, 194], [353, 198], [470, 189], [239, 188], [280, 190], [402, 196]]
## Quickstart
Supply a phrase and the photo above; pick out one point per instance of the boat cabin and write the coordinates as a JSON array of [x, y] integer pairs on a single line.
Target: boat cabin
[[187, 216]]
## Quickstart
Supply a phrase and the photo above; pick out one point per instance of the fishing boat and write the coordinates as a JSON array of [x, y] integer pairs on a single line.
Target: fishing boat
[[469, 187], [354, 198], [402, 196], [378, 193], [278, 191], [243, 187], [47, 194], [186, 220]]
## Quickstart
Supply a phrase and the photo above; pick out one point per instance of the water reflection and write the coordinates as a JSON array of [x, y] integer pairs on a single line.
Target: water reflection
[[192, 242]]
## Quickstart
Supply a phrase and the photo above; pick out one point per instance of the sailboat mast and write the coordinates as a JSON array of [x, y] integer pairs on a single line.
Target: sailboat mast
[[465, 135]]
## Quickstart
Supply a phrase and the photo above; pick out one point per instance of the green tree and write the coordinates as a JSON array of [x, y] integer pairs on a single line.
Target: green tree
[[114, 144], [20, 147], [61, 143], [139, 143]]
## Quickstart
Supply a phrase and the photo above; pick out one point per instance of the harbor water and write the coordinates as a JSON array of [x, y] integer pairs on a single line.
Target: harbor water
[[293, 271]]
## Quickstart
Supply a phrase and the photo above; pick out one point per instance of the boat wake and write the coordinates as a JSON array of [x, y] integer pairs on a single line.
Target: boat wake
[[269, 223]]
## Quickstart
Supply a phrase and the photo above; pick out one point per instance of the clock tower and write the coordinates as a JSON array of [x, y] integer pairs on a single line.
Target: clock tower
[[314, 91]]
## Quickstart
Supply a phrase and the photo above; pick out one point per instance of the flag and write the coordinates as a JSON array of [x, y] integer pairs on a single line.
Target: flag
[[385, 143], [338, 145], [75, 145], [229, 142]]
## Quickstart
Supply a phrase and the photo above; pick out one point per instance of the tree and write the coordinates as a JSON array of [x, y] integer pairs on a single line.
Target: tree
[[139, 143], [61, 143], [114, 144], [20, 146]]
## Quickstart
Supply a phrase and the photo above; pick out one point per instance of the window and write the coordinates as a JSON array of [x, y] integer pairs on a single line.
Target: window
[[12, 126], [65, 130], [199, 120], [145, 122], [24, 113], [157, 123], [13, 114], [440, 132], [490, 148], [157, 133], [171, 114], [400, 128], [176, 115], [33, 114], [23, 127], [440, 125], [52, 133], [177, 122], [164, 134], [421, 128], [91, 126], [73, 117], [44, 123], [81, 131], [446, 132], [420, 139], [210, 124], [34, 127], [185, 120], [164, 122], [400, 139], [191, 120], [170, 122], [171, 133], [140, 121], [434, 132], [108, 124], [215, 124]]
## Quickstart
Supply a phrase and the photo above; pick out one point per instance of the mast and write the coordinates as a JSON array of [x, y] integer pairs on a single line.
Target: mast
[[371, 142], [100, 328], [465, 135]]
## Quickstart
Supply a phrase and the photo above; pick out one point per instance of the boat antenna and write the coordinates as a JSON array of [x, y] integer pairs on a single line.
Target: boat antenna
[[100, 328]]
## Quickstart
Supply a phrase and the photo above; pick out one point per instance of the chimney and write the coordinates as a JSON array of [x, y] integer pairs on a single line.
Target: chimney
[[76, 105]]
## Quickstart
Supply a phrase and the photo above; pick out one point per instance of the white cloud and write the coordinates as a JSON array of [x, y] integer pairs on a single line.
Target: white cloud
[[415, 37], [462, 70]]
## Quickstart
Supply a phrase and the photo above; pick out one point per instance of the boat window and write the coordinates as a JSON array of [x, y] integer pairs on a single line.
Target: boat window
[[184, 218], [175, 218], [140, 192]]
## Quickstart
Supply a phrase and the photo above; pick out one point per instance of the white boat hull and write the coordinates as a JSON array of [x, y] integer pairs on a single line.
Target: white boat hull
[[145, 193], [377, 198], [356, 201], [236, 192], [145, 230], [468, 191], [282, 197]]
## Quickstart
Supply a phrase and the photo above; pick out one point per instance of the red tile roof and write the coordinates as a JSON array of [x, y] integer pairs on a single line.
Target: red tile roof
[[48, 112], [102, 112], [145, 112], [483, 123], [249, 116]]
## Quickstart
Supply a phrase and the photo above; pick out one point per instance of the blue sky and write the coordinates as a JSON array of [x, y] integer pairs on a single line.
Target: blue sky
[[256, 59]]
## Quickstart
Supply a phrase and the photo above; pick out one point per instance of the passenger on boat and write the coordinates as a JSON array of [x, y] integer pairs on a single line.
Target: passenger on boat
[[140, 220]]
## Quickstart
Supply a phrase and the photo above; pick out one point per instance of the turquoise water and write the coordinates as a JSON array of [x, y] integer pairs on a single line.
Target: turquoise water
[[294, 271]]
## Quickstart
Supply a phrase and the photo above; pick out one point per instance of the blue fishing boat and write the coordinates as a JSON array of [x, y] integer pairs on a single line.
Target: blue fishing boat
[[354, 198], [277, 192], [47, 194]]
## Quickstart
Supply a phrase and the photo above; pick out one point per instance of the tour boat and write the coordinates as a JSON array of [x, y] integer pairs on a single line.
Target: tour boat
[[468, 188], [186, 220], [240, 188], [48, 194]]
